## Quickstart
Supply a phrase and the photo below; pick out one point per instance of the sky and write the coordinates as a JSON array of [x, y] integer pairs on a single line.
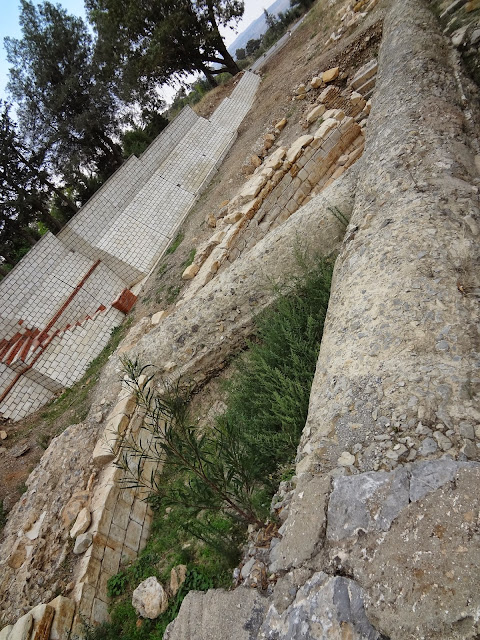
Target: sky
[[9, 12]]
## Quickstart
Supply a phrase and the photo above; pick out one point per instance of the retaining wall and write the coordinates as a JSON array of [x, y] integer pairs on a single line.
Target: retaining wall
[[109, 245]]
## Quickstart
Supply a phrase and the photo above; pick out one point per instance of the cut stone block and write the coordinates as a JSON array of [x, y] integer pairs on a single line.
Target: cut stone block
[[296, 148]]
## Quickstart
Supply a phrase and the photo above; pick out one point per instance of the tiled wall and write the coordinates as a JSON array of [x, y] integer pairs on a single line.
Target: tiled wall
[[109, 245]]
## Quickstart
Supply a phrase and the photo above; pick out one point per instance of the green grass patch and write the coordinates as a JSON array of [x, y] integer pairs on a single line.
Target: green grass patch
[[190, 258], [176, 243]]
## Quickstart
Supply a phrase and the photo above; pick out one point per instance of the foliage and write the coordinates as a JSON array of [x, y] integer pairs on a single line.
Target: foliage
[[240, 54], [124, 617], [268, 400], [65, 106], [24, 197], [176, 243], [162, 41], [252, 45]]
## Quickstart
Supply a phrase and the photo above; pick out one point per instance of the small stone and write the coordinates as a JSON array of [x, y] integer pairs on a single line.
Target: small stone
[[470, 450], [81, 523], [475, 37], [247, 567], [466, 430], [20, 450], [177, 578], [330, 75], [316, 82], [300, 90], [472, 5], [281, 124], [190, 272], [255, 161], [427, 447], [149, 599], [82, 543], [97, 417], [3, 435], [442, 440], [211, 220], [346, 459]]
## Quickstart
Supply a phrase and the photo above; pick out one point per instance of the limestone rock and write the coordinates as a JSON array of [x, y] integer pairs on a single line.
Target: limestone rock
[[330, 74], [219, 614], [21, 629], [338, 114], [149, 599], [316, 82], [275, 161], [296, 149], [42, 629], [315, 113], [82, 522], [324, 608], [157, 317], [366, 502], [177, 578], [3, 435], [325, 128], [5, 632], [305, 525], [62, 621], [73, 507], [346, 459], [82, 542], [190, 272], [255, 161], [281, 124], [211, 220], [300, 90]]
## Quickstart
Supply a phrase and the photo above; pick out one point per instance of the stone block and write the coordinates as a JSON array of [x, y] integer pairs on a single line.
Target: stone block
[[330, 75], [157, 318], [315, 113], [139, 510], [99, 612], [296, 148], [63, 619], [22, 628], [111, 560], [133, 535]]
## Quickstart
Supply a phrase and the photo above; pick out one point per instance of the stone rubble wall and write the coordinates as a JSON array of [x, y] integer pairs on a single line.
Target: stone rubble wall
[[110, 244]]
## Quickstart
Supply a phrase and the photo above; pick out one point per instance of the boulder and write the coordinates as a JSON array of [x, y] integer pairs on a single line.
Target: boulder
[[21, 629], [211, 220], [316, 82], [150, 599]]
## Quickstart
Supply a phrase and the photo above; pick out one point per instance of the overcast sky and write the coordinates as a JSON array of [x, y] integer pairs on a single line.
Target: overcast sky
[[9, 10]]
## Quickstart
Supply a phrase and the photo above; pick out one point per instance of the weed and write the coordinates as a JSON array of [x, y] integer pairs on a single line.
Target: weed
[[43, 440], [176, 243], [190, 258], [162, 269], [340, 216], [172, 293]]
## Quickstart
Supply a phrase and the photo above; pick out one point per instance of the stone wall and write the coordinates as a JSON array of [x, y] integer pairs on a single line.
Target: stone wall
[[58, 305]]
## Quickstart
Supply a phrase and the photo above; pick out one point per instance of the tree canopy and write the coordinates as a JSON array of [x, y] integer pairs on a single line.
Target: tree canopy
[[65, 106], [161, 41]]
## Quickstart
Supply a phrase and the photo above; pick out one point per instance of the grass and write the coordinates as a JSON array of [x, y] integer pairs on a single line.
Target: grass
[[176, 243], [190, 258]]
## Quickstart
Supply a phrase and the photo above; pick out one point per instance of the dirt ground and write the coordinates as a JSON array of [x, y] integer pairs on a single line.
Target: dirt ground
[[305, 56]]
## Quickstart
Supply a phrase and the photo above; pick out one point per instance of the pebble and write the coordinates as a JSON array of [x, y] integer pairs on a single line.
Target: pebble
[[442, 440], [346, 459]]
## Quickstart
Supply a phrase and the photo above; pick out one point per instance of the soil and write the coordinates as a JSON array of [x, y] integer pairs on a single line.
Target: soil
[[305, 55]]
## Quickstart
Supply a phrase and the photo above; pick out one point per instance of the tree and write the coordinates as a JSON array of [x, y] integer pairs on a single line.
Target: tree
[[240, 54], [162, 41], [65, 108], [25, 195], [252, 45], [304, 4]]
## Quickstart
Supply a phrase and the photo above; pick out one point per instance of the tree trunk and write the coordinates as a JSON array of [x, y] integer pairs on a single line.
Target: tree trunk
[[230, 64], [208, 74]]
